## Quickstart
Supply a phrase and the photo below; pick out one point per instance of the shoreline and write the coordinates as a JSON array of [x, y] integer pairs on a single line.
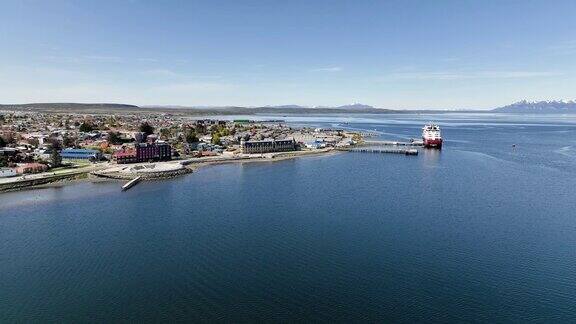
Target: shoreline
[[191, 167]]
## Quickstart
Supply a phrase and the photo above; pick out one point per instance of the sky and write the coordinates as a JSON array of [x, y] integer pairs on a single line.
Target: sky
[[407, 54]]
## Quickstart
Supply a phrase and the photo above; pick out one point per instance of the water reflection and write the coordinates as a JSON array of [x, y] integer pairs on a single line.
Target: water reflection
[[430, 157]]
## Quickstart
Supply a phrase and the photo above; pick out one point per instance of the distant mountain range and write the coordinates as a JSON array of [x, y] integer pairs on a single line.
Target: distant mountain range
[[533, 107], [274, 109], [540, 107], [355, 106]]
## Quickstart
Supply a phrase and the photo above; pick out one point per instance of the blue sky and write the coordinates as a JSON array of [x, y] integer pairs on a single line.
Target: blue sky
[[389, 54]]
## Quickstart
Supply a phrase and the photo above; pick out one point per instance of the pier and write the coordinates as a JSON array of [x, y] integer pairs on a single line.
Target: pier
[[367, 133], [393, 143], [385, 150], [130, 184]]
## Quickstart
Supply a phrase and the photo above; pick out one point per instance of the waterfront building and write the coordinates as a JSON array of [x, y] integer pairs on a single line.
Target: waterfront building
[[267, 146], [125, 155], [80, 154], [143, 152], [158, 151]]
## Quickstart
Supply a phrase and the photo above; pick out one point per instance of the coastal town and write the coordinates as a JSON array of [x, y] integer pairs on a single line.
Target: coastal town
[[42, 147]]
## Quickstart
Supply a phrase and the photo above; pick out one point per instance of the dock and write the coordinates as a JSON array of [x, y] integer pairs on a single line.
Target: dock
[[385, 150], [393, 143], [130, 184], [368, 133]]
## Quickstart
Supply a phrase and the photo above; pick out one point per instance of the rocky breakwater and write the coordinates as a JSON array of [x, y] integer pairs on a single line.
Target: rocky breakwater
[[148, 171]]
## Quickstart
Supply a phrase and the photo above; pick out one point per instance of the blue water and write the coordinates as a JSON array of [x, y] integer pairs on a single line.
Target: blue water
[[480, 231]]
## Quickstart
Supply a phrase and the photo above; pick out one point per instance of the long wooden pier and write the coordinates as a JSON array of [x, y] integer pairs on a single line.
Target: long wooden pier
[[392, 143], [368, 133], [385, 150]]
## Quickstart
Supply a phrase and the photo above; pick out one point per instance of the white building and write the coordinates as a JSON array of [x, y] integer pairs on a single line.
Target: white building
[[7, 172]]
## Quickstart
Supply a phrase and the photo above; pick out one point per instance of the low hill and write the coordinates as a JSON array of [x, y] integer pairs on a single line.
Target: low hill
[[69, 106], [102, 108]]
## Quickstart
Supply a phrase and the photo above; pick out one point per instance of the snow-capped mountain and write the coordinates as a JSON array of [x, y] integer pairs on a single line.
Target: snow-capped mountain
[[540, 107]]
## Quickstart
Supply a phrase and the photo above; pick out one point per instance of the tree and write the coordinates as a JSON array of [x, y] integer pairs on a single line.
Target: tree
[[2, 142], [68, 141], [111, 121], [55, 157], [200, 129], [191, 137], [9, 139], [33, 141], [86, 127], [165, 133], [223, 130], [114, 138], [216, 139], [146, 128]]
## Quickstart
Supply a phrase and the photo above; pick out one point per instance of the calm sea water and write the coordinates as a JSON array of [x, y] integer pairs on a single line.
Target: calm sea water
[[480, 231]]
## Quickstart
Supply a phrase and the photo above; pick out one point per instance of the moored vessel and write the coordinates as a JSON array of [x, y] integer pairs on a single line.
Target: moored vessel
[[431, 136]]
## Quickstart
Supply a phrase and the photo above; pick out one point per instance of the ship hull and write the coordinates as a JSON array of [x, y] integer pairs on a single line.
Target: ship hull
[[432, 143]]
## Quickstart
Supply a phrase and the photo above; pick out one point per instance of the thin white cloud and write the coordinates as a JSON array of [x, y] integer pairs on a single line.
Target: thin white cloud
[[450, 59], [83, 59], [103, 58], [168, 73], [62, 59], [449, 75], [517, 74], [163, 73], [328, 69]]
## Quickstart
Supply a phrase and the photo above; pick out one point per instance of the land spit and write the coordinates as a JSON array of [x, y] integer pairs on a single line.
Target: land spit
[[147, 171]]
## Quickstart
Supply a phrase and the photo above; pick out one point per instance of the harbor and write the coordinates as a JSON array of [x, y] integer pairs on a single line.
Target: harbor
[[143, 152]]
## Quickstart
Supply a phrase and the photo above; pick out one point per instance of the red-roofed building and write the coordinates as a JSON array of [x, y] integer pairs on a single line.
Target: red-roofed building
[[126, 155], [31, 168]]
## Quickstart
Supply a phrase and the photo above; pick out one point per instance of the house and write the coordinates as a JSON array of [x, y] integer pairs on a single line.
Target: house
[[315, 144]]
